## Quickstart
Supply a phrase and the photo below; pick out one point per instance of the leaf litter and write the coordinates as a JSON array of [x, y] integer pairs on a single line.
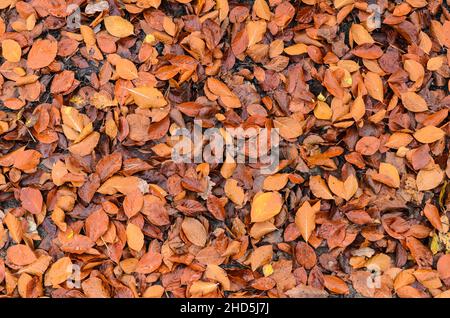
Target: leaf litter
[[87, 119]]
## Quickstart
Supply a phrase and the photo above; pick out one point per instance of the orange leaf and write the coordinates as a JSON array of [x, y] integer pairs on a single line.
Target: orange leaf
[[265, 206], [20, 255], [305, 219], [118, 26], [42, 53], [59, 272], [195, 231], [135, 238], [432, 214], [429, 134]]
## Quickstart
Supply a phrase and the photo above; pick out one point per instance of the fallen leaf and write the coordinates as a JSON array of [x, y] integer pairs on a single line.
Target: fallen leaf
[[305, 219], [20, 255], [195, 231], [135, 238], [59, 272], [265, 206], [31, 199], [118, 26], [429, 134]]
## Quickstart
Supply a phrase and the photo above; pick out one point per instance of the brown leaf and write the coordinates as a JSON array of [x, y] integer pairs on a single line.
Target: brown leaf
[[214, 272], [11, 50], [31, 199], [335, 285], [288, 127], [149, 262], [85, 147], [133, 203], [319, 188], [93, 287], [195, 231], [368, 146], [421, 254], [96, 224], [429, 134], [374, 86]]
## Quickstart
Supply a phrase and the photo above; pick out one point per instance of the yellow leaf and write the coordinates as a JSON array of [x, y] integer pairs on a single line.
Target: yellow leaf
[[267, 270]]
